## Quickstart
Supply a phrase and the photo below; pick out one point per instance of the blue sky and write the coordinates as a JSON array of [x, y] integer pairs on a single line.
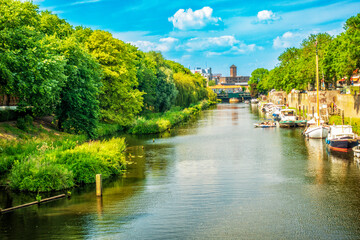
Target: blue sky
[[213, 33]]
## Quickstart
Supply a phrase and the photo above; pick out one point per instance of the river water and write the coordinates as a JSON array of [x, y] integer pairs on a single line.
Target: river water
[[215, 178]]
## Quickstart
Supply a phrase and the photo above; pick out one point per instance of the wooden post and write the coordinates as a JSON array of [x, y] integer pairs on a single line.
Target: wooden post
[[307, 112], [304, 115], [342, 117], [313, 112], [98, 185]]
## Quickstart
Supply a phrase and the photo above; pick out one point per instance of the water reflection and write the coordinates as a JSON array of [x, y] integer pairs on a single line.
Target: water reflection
[[216, 178]]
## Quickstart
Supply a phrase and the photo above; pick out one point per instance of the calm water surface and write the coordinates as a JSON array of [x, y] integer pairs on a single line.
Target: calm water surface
[[216, 178]]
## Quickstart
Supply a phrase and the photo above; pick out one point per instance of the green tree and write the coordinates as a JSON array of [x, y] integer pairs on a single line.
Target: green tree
[[30, 68], [120, 101], [257, 76], [78, 110]]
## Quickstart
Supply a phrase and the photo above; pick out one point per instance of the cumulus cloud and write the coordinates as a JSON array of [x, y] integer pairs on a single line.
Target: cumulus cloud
[[266, 16], [287, 40], [189, 19], [219, 45], [164, 44]]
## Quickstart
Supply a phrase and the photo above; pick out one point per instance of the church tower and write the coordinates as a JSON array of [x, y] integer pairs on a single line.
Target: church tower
[[233, 71]]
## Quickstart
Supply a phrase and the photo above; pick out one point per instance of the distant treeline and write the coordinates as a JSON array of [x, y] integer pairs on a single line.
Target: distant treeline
[[338, 57], [81, 75]]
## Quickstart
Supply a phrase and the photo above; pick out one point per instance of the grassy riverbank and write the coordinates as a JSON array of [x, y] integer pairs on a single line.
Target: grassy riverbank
[[160, 122], [39, 158], [354, 122], [35, 157]]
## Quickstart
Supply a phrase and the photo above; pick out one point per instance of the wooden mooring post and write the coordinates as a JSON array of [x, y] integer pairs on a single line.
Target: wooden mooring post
[[98, 185], [304, 115], [31, 203]]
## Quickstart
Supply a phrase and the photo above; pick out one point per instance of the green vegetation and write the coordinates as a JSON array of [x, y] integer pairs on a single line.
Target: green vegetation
[[89, 84], [338, 57], [157, 123], [40, 159], [354, 122], [82, 76]]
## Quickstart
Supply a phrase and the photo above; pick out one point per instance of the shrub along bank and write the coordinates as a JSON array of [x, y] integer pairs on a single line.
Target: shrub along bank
[[38, 158], [354, 122], [58, 169], [157, 123]]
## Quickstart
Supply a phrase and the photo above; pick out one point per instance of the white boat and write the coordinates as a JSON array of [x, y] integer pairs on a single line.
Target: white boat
[[316, 130], [287, 118], [254, 101], [341, 138], [265, 125]]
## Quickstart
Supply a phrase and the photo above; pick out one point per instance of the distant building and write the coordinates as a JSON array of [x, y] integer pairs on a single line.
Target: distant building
[[234, 79], [206, 72], [216, 77]]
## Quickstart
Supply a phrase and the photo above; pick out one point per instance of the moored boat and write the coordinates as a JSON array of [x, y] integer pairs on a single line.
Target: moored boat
[[233, 100], [254, 101], [265, 125], [287, 118], [300, 123], [341, 138], [356, 151], [318, 132]]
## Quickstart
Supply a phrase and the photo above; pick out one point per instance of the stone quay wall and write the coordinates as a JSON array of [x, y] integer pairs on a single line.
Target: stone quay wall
[[331, 102]]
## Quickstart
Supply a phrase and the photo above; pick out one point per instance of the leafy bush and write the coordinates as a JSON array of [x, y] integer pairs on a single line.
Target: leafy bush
[[25, 122], [157, 123], [59, 169], [32, 175]]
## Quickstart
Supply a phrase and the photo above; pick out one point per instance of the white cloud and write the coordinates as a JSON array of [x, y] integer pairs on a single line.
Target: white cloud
[[266, 16], [288, 39], [189, 19], [164, 44], [219, 45]]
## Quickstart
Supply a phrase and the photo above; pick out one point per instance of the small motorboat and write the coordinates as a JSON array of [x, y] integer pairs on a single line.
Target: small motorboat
[[300, 123], [287, 118], [254, 101], [356, 151], [265, 125], [233, 100]]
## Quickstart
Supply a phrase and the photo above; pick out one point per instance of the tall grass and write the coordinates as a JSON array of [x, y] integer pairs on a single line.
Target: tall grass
[[61, 169], [354, 122]]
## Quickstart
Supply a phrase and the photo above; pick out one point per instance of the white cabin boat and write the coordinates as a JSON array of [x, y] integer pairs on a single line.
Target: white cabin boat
[[287, 118]]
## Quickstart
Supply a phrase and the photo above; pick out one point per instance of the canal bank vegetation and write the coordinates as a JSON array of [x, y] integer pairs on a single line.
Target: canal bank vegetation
[[157, 123], [43, 159], [338, 120], [89, 84], [82, 76], [339, 57]]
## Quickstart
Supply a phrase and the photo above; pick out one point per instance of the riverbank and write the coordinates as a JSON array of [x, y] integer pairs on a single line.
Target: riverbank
[[35, 157], [161, 122], [41, 159]]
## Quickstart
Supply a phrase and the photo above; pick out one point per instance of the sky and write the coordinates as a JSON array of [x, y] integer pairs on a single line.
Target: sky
[[212, 33]]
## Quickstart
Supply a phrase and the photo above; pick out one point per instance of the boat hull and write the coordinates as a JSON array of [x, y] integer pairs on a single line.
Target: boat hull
[[301, 123], [317, 132], [287, 124], [342, 145]]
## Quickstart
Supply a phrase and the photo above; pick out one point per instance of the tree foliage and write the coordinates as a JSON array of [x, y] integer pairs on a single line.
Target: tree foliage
[[80, 75], [338, 57]]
